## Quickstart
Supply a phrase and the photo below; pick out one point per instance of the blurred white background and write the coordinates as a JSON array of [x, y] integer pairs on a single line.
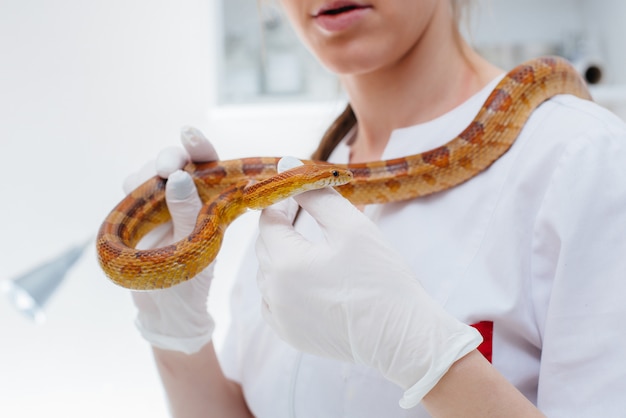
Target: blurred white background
[[90, 90]]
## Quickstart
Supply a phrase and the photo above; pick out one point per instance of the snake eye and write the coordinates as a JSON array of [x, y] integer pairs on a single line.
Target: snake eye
[[335, 173]]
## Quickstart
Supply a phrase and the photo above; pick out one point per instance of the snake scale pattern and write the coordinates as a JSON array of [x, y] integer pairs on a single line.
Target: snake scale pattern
[[229, 188]]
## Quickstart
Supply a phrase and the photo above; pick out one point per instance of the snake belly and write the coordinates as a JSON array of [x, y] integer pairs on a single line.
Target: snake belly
[[229, 188]]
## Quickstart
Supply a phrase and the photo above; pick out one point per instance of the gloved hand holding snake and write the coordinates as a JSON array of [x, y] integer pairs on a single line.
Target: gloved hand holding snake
[[176, 318], [351, 297]]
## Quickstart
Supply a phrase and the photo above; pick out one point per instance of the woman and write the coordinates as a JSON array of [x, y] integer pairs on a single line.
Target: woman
[[347, 316]]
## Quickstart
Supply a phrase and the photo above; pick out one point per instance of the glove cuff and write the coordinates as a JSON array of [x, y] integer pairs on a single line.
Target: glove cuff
[[462, 344], [187, 345]]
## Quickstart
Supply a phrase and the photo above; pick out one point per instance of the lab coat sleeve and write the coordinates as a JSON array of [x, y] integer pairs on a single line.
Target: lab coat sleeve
[[579, 279]]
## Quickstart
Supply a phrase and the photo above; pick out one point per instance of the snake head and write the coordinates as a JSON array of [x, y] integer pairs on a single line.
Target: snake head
[[312, 176], [293, 180], [318, 177]]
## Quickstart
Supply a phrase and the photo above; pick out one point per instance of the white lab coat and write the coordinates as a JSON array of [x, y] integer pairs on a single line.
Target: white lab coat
[[536, 244]]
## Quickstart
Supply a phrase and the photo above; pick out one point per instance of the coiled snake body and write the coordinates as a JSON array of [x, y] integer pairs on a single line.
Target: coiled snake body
[[229, 188]]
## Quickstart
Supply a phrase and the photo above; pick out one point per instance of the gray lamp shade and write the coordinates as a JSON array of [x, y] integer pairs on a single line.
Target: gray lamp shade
[[30, 291]]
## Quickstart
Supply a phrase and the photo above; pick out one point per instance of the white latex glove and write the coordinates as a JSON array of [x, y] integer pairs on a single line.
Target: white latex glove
[[176, 318], [353, 298]]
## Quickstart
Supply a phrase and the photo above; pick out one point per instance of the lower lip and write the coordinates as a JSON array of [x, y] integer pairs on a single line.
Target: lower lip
[[341, 21]]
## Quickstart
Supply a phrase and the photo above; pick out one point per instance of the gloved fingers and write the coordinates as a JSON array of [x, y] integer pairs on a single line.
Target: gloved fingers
[[160, 234], [278, 240], [183, 203], [263, 289], [266, 308], [288, 208], [287, 163], [269, 318], [266, 313], [334, 213], [273, 321], [170, 159], [144, 302], [195, 148], [197, 145], [136, 179], [158, 237]]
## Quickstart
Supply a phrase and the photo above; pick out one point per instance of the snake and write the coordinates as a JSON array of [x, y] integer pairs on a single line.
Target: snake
[[230, 188]]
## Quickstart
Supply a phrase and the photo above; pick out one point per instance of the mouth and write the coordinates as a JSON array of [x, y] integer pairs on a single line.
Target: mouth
[[339, 7]]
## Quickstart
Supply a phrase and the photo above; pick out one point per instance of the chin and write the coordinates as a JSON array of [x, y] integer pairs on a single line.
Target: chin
[[350, 63], [350, 56]]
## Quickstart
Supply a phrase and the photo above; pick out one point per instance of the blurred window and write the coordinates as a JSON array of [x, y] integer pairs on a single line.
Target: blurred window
[[262, 59]]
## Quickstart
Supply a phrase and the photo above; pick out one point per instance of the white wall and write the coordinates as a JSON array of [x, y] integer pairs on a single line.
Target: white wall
[[88, 92]]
